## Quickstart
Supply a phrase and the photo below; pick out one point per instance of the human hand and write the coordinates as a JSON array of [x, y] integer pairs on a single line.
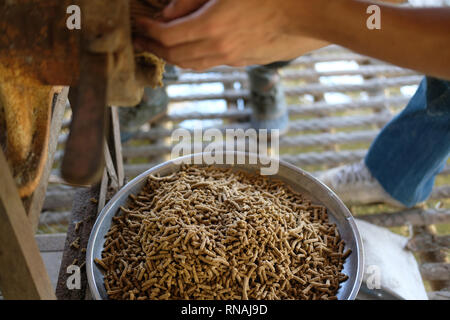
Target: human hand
[[231, 32], [180, 8]]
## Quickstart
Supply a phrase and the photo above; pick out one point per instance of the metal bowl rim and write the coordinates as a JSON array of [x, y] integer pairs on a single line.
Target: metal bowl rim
[[125, 190]]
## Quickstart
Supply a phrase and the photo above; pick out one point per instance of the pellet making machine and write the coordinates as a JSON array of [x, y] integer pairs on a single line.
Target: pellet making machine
[[49, 48], [40, 53]]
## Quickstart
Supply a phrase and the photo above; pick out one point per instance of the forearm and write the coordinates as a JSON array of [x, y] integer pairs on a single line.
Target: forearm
[[416, 38]]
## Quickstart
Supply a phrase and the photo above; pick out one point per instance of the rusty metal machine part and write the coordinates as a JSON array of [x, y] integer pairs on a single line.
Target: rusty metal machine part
[[26, 79], [38, 52]]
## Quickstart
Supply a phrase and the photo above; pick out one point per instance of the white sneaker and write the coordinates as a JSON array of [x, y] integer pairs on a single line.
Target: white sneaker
[[354, 184]]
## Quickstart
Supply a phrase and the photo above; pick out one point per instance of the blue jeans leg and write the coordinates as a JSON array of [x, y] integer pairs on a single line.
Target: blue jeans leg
[[413, 148]]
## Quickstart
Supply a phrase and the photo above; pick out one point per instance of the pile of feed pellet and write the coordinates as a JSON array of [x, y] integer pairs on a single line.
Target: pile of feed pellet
[[208, 233]]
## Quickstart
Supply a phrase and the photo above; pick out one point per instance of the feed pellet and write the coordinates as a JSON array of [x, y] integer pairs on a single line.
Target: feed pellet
[[209, 233]]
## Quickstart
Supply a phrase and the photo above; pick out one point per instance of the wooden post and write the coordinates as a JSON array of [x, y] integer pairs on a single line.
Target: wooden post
[[433, 256], [117, 145], [86, 206], [84, 212], [35, 202], [22, 270]]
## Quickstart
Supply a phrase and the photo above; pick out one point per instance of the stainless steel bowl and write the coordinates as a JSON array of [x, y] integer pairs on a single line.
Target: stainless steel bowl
[[298, 179]]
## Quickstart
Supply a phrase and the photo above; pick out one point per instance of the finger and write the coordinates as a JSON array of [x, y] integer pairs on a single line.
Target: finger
[[147, 45], [191, 28], [180, 8], [184, 52]]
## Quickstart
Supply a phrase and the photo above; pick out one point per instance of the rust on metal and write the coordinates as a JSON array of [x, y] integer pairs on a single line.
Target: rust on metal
[[38, 53]]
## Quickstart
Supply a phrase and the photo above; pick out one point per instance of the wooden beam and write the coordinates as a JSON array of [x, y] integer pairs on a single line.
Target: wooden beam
[[117, 145], [435, 271], [35, 203], [429, 242], [22, 270], [84, 212], [103, 191], [414, 217], [435, 264], [59, 198], [439, 295], [109, 167]]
